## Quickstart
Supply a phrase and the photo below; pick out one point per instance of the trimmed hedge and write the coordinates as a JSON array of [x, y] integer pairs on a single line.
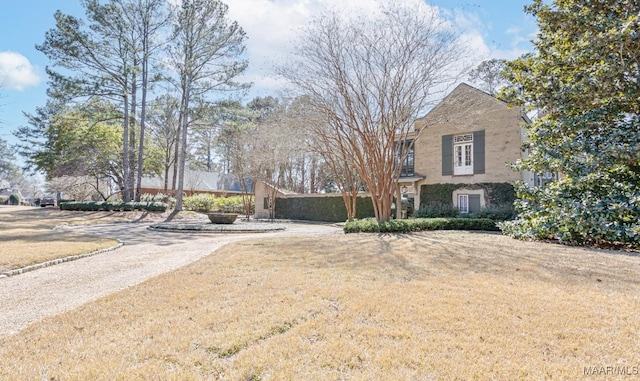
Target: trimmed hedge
[[371, 225], [441, 194], [496, 213], [326, 209], [92, 206]]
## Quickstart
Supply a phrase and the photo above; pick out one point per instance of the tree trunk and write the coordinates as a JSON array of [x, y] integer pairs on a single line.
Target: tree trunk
[[125, 151], [184, 119], [143, 114], [132, 134]]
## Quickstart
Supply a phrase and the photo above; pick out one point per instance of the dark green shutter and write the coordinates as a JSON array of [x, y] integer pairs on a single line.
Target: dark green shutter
[[478, 152], [474, 203], [447, 155]]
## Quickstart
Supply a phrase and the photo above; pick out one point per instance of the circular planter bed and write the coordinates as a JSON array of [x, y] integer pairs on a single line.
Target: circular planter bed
[[222, 218]]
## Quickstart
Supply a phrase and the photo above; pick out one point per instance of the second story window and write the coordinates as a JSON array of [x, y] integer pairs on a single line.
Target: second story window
[[408, 164], [463, 154]]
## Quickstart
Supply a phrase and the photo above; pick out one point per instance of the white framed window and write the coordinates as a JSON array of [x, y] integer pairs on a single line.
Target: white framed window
[[542, 179], [463, 154], [463, 203]]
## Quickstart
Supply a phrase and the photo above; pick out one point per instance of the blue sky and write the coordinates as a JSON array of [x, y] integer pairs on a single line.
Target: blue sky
[[497, 29]]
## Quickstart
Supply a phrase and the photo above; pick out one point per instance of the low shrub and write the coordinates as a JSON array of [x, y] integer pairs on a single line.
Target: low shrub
[[371, 225], [4, 200], [14, 199], [91, 206], [231, 204], [497, 213], [159, 197], [437, 211], [209, 203], [201, 202]]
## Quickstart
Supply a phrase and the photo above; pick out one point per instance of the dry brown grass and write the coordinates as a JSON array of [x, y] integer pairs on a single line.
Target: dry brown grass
[[27, 236], [434, 305]]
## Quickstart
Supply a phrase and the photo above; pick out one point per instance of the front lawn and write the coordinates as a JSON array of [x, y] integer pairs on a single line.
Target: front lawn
[[432, 305], [27, 236]]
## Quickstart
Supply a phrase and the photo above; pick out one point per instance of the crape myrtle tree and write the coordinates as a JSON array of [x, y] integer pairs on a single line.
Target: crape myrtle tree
[[336, 158], [370, 76], [584, 77], [206, 54]]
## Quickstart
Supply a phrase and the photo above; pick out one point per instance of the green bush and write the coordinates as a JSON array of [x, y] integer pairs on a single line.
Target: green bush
[[437, 211], [231, 204], [204, 203], [4, 200], [93, 206], [441, 194], [14, 199], [370, 225], [497, 213], [160, 197], [200, 202], [594, 211]]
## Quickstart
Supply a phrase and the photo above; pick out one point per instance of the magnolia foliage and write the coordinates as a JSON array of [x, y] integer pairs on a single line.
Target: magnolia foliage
[[584, 79]]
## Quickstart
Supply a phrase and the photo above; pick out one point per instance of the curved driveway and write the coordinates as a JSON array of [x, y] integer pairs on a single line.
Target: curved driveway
[[32, 296]]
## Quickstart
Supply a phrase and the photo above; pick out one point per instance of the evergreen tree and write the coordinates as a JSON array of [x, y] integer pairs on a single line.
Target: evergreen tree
[[585, 81]]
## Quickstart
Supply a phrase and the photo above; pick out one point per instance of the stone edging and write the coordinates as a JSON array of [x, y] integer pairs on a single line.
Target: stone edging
[[58, 261], [213, 231]]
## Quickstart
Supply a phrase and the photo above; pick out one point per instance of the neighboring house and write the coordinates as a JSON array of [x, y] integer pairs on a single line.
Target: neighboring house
[[465, 142], [272, 202], [8, 192], [196, 182], [264, 196]]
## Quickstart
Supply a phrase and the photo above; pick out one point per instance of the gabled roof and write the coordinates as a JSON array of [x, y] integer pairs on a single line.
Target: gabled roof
[[198, 181], [454, 97]]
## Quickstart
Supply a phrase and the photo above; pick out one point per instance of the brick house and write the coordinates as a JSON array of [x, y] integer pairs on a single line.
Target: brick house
[[464, 146], [460, 158]]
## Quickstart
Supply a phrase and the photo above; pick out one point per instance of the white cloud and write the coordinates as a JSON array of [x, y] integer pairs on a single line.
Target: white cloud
[[16, 72], [272, 25]]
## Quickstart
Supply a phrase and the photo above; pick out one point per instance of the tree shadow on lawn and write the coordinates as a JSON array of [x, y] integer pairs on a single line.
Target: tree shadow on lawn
[[498, 254]]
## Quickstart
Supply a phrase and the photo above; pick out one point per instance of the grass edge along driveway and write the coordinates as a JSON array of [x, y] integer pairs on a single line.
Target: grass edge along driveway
[[27, 236]]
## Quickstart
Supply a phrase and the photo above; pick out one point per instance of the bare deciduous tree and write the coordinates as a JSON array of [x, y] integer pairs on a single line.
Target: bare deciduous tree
[[370, 77], [488, 75]]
